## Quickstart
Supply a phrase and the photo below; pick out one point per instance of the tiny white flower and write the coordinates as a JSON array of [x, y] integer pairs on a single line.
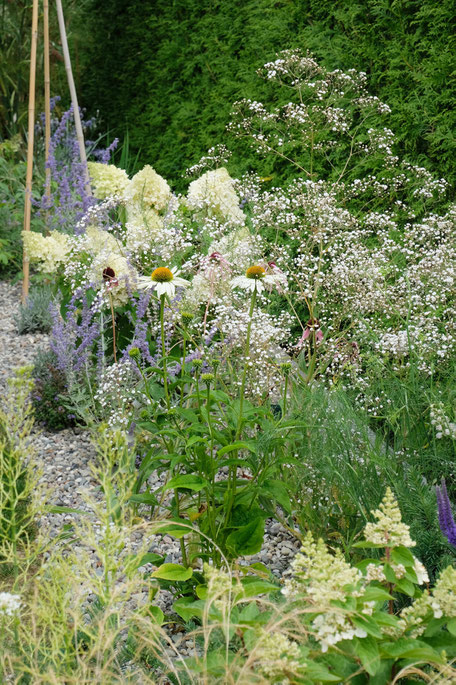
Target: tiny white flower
[[163, 280], [9, 604]]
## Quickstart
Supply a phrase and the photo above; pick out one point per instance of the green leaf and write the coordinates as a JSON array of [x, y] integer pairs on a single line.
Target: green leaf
[[278, 491], [407, 648], [318, 673], [56, 509], [255, 586], [144, 498], [376, 594], [175, 527], [172, 572], [234, 447], [149, 558], [363, 544], [187, 608], [451, 625], [368, 624], [406, 587], [187, 481], [367, 650], [248, 539], [402, 555], [156, 614]]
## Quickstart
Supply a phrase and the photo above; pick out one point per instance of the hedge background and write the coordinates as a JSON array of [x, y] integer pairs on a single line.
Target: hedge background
[[168, 70]]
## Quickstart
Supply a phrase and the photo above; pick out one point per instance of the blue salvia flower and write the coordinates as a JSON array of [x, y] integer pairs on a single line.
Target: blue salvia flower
[[446, 520]]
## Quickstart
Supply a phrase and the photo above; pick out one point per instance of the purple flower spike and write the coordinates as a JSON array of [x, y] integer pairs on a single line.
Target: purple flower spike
[[446, 520]]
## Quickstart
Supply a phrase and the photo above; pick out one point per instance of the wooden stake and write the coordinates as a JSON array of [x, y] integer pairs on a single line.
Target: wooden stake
[[30, 141], [47, 103], [74, 99]]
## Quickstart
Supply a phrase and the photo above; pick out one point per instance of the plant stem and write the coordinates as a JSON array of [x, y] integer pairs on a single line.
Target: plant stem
[[246, 357], [113, 319], [162, 328]]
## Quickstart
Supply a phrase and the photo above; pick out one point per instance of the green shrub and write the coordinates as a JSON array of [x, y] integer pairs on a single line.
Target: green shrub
[[193, 58], [34, 315], [49, 392]]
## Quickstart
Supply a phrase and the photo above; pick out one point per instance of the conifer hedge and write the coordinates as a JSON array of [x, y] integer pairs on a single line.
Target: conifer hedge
[[168, 70]]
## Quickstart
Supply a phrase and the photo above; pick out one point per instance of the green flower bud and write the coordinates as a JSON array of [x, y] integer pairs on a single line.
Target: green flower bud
[[207, 377], [198, 363], [134, 353]]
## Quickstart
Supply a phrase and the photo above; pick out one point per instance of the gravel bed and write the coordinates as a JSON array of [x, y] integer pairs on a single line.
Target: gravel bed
[[65, 457]]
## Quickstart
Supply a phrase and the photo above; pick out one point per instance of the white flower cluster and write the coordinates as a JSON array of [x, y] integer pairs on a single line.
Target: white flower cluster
[[322, 578], [275, 654], [389, 529], [441, 601], [117, 392], [107, 180], [47, 252], [9, 604], [148, 189], [214, 194], [442, 424]]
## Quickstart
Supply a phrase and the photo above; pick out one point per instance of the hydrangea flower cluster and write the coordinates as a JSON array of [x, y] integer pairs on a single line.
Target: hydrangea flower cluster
[[389, 529]]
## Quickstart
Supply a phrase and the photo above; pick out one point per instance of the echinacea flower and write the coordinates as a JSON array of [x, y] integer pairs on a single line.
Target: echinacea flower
[[163, 280], [256, 278]]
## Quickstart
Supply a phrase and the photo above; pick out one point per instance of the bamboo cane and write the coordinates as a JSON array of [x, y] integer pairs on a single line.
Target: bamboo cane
[[74, 99], [47, 104], [30, 141]]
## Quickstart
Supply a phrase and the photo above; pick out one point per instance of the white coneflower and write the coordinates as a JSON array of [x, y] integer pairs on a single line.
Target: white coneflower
[[255, 278], [164, 281]]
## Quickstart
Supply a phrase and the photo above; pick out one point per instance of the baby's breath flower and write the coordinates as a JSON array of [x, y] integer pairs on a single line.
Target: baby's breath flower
[[389, 530], [9, 604]]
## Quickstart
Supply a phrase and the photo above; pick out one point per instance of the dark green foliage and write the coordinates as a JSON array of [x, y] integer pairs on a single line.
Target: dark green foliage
[[169, 72], [48, 392], [34, 315]]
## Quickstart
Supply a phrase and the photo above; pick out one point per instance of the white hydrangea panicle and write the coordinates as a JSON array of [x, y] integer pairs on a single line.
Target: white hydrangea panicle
[[320, 578], [9, 604], [148, 189], [214, 194], [47, 252], [389, 529], [107, 180], [444, 592], [275, 654], [219, 585], [320, 575]]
